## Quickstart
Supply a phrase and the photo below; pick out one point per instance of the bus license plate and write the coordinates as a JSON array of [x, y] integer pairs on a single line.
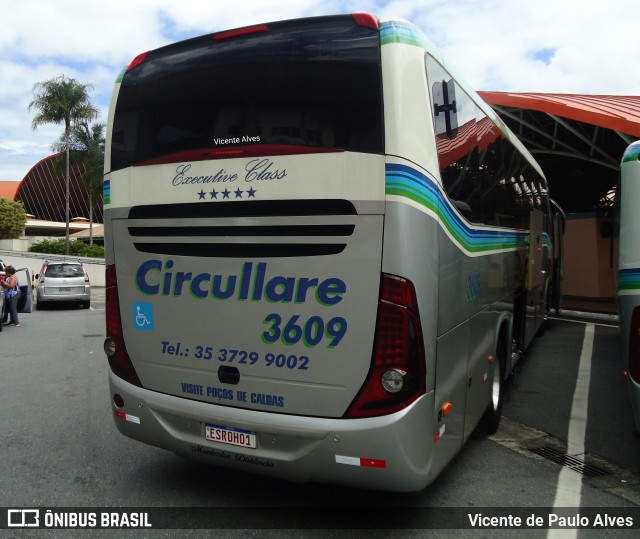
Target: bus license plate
[[231, 436]]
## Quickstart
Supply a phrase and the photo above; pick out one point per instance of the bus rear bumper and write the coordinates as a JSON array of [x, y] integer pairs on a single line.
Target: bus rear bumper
[[390, 453]]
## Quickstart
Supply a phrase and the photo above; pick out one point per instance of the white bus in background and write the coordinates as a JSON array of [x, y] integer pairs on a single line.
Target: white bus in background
[[325, 253], [629, 273]]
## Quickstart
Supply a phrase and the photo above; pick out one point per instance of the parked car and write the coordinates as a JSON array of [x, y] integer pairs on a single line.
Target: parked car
[[62, 282], [24, 279]]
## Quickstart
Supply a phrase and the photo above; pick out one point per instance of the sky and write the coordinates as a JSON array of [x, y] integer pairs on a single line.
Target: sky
[[556, 46]]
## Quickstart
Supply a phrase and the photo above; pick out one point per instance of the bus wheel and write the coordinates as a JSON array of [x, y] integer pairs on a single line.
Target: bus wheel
[[494, 410]]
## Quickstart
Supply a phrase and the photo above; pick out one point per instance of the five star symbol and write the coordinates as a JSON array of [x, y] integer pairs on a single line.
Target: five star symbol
[[226, 194]]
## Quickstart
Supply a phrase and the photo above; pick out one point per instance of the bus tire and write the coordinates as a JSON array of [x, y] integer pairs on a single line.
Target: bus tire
[[493, 412]]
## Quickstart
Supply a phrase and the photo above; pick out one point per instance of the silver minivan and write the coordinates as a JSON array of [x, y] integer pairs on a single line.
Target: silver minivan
[[62, 282]]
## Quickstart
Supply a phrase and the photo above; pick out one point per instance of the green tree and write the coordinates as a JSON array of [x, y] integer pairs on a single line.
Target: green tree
[[62, 100], [12, 219], [87, 150]]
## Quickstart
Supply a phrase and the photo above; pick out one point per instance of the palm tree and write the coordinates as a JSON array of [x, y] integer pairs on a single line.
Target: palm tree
[[57, 100], [92, 138], [87, 149]]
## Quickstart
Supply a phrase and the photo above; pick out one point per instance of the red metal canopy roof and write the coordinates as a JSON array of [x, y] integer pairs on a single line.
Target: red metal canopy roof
[[9, 189], [578, 140], [617, 112]]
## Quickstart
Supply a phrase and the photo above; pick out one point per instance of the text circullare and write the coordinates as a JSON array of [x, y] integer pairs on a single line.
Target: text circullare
[[252, 283]]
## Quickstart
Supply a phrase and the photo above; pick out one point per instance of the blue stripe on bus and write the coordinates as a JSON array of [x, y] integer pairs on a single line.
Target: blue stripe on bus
[[399, 32], [632, 153], [629, 279], [407, 182], [106, 192]]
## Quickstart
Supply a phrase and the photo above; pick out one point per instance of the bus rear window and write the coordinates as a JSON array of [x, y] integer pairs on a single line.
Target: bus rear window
[[311, 85]]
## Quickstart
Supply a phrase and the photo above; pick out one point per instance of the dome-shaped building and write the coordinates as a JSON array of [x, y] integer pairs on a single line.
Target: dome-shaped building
[[42, 191]]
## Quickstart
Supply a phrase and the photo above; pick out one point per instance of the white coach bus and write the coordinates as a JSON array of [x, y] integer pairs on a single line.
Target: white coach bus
[[325, 253], [629, 273]]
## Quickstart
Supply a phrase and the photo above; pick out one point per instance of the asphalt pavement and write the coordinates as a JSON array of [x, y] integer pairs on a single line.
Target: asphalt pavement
[[61, 449]]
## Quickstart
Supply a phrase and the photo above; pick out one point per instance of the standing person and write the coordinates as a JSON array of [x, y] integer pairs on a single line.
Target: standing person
[[11, 297]]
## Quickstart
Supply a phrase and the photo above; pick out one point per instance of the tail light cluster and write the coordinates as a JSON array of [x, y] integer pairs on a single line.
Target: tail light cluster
[[114, 347], [634, 346], [41, 277], [398, 372]]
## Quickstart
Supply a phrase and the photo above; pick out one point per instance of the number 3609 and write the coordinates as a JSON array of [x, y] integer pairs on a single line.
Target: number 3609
[[311, 333]]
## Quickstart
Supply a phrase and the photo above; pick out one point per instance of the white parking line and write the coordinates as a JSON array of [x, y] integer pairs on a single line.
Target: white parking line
[[569, 487]]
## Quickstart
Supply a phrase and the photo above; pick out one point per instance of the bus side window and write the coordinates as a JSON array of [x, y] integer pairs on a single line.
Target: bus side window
[[483, 174]]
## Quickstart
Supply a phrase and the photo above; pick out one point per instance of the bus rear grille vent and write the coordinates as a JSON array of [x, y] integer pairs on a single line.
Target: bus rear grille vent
[[575, 463], [242, 231], [262, 208], [241, 250], [246, 245]]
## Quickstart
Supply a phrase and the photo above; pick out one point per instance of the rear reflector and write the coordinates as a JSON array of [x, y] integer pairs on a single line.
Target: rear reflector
[[358, 461], [127, 417]]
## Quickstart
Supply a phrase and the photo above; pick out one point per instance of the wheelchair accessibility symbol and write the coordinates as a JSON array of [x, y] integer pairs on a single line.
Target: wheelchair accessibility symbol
[[143, 316]]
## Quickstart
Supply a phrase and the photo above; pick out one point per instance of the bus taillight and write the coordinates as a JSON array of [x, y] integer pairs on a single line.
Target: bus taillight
[[634, 346], [137, 60], [398, 373], [366, 19], [239, 32], [114, 346]]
